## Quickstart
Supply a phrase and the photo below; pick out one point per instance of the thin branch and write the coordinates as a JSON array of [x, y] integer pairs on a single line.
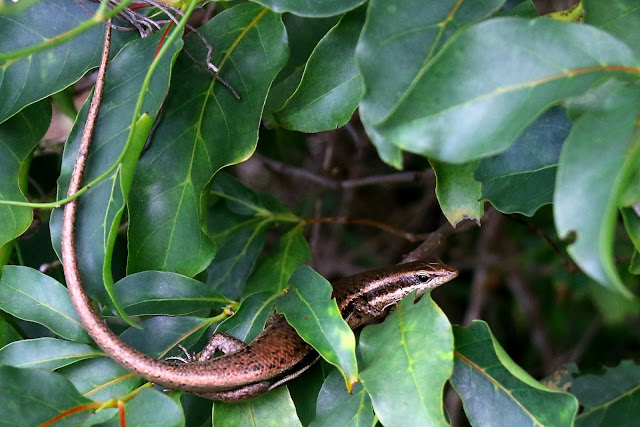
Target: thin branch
[[412, 237], [335, 184]]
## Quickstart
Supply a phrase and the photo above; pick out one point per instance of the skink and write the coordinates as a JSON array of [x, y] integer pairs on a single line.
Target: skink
[[278, 354]]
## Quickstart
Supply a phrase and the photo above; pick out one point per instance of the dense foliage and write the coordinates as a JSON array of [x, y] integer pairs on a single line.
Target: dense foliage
[[483, 101]]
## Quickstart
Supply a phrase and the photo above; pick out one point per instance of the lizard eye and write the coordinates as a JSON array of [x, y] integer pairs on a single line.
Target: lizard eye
[[423, 277]]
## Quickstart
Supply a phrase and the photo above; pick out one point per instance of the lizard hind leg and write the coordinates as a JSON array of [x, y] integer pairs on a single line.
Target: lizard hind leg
[[219, 342]]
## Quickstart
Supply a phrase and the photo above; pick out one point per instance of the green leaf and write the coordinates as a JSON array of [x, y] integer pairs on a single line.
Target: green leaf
[[632, 225], [331, 85], [406, 361], [160, 334], [30, 295], [236, 257], [309, 308], [26, 80], [248, 322], [303, 35], [492, 80], [101, 378], [610, 399], [272, 409], [273, 272], [398, 42], [337, 407], [153, 408], [48, 394], [495, 391], [316, 8], [7, 333], [620, 18], [204, 129], [522, 178], [457, 191], [524, 9], [18, 138], [158, 292], [100, 209], [595, 164], [45, 353]]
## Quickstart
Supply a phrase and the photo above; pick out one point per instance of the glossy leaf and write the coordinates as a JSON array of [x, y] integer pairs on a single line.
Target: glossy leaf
[[586, 197], [317, 8], [337, 407], [151, 407], [303, 35], [41, 74], [309, 308], [609, 399], [273, 409], [495, 391], [406, 361], [161, 334], [398, 41], [48, 393], [331, 85], [8, 334], [158, 292], [249, 320], [522, 178], [45, 353], [101, 378], [18, 137], [30, 295], [238, 220], [100, 209], [493, 79], [620, 18], [204, 129], [273, 272], [457, 191], [632, 225]]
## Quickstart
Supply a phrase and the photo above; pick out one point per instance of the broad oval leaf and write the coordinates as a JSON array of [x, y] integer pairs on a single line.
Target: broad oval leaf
[[274, 409], [596, 163], [399, 39], [497, 392], [490, 81], [620, 18], [45, 353], [406, 361], [316, 8], [101, 378], [29, 79], [337, 407], [331, 86], [204, 129], [160, 335], [18, 137], [151, 407], [248, 322], [459, 194], [273, 272], [160, 292], [609, 399], [100, 208], [30, 295], [48, 393], [309, 308], [522, 178]]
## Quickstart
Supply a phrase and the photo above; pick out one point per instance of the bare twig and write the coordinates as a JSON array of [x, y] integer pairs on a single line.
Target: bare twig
[[335, 184], [411, 237]]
